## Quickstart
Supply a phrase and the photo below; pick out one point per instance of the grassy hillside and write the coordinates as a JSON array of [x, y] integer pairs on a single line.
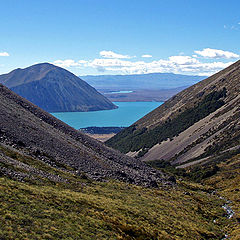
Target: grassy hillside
[[222, 176], [227, 183], [111, 210]]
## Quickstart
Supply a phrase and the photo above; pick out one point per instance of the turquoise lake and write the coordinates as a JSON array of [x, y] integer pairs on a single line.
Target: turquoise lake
[[126, 114]]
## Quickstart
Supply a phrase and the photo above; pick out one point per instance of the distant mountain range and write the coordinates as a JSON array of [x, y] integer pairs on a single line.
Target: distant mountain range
[[141, 81], [199, 124], [55, 89]]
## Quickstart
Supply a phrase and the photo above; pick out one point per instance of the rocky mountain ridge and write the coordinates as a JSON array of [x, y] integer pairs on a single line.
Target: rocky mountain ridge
[[30, 135]]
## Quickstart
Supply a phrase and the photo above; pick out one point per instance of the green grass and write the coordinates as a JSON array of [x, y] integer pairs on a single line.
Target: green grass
[[227, 183], [111, 210], [83, 209]]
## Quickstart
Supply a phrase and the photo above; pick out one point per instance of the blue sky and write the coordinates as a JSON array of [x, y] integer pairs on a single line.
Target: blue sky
[[112, 37]]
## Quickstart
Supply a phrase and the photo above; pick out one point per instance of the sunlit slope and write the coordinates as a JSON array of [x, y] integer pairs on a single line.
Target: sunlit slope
[[200, 121], [111, 210]]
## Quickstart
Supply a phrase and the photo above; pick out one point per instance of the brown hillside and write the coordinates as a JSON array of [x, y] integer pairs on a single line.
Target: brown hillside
[[201, 121]]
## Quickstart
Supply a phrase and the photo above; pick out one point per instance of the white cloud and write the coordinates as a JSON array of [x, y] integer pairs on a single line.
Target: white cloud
[[232, 27], [110, 63], [183, 59], [146, 56], [69, 63], [111, 54], [175, 64], [216, 53], [4, 54]]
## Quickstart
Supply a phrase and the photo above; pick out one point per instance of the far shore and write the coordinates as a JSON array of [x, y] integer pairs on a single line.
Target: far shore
[[101, 137]]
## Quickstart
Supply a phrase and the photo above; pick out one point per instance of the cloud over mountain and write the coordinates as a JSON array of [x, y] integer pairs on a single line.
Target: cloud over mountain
[[216, 53], [111, 54], [181, 64], [69, 63]]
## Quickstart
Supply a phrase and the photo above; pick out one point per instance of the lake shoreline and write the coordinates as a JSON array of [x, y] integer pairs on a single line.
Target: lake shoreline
[[101, 130]]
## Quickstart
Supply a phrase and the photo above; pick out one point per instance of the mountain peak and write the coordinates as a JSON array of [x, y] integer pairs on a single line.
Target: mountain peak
[[24, 75], [44, 65], [55, 89]]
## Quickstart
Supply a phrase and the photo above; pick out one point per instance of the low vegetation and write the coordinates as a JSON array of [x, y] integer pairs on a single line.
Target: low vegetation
[[221, 174], [101, 130], [227, 183], [80, 208], [110, 210]]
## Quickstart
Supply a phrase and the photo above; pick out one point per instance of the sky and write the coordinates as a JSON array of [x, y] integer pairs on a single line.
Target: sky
[[95, 37]]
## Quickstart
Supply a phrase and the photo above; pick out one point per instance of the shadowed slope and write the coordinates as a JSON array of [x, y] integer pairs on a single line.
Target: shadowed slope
[[31, 132]]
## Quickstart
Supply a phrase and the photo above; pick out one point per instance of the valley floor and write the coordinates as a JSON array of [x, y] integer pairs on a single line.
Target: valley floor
[[102, 137], [83, 209]]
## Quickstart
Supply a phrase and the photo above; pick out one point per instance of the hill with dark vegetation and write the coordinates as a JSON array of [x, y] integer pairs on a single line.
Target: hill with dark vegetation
[[197, 124], [101, 130], [55, 89]]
